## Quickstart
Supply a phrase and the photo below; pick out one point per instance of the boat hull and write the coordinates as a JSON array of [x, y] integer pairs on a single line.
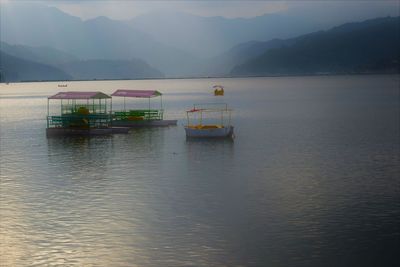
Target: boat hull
[[144, 123], [223, 132], [50, 132]]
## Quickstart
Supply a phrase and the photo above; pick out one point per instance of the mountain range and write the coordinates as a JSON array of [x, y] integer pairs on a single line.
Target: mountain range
[[361, 47], [99, 38], [110, 69], [207, 37], [58, 65], [182, 45], [17, 69]]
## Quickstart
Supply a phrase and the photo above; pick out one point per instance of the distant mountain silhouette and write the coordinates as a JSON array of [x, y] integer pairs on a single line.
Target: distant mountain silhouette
[[110, 69], [20, 62], [183, 45], [222, 65], [369, 46], [43, 54], [13, 69], [208, 37], [99, 38]]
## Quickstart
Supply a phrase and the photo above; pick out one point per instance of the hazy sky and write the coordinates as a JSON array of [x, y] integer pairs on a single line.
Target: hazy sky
[[323, 10]]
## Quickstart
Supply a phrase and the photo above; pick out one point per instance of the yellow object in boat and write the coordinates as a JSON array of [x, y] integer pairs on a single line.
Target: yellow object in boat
[[204, 127], [83, 111]]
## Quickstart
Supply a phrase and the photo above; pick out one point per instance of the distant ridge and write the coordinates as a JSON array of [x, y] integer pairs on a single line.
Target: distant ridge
[[14, 69], [42, 54], [35, 25], [221, 65], [18, 63], [371, 46], [207, 37], [147, 47], [110, 69]]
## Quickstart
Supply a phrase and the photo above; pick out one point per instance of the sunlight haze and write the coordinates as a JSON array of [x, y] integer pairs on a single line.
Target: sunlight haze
[[328, 10]]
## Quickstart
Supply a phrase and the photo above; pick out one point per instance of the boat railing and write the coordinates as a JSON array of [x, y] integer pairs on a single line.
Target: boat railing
[[139, 114], [211, 114], [79, 121]]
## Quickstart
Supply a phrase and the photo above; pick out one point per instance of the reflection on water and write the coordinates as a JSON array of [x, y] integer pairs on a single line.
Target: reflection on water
[[311, 179]]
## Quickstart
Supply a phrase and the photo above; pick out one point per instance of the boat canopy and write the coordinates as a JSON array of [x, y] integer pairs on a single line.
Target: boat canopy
[[79, 95], [136, 93]]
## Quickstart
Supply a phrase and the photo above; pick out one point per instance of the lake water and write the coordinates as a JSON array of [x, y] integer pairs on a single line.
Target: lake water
[[311, 179]]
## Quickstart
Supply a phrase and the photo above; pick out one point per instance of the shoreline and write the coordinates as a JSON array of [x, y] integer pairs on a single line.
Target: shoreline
[[212, 77]]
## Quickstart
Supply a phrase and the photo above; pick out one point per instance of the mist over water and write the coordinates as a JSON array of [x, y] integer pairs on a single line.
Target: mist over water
[[311, 178]]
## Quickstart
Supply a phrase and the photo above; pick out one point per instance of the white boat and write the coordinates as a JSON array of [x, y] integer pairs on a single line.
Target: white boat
[[212, 120]]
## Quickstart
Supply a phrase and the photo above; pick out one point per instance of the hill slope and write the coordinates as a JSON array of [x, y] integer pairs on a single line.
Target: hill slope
[[80, 69], [110, 69], [46, 55], [369, 46], [15, 69], [221, 65], [207, 37]]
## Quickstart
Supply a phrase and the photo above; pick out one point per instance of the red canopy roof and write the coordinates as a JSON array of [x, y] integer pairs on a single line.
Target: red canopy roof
[[136, 93], [79, 95]]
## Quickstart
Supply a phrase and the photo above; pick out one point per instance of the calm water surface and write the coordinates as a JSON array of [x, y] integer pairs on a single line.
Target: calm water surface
[[312, 179]]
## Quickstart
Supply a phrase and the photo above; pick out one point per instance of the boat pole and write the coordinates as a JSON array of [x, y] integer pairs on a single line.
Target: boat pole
[[162, 110], [110, 115], [48, 100]]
